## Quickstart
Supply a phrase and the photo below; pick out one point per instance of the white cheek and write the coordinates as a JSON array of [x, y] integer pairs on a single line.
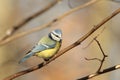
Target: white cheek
[[55, 38]]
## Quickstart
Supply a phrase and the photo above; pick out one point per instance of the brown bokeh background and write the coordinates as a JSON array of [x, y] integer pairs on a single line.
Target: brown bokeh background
[[71, 65]]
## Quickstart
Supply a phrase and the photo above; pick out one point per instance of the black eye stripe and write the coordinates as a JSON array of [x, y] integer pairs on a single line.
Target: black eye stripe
[[55, 35]]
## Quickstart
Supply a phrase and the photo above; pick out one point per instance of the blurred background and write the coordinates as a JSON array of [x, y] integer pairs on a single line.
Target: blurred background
[[72, 64]]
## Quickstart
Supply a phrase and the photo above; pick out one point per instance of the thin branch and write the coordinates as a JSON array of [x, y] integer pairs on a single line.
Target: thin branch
[[100, 60], [93, 59], [88, 44], [75, 44], [12, 30], [19, 35], [104, 56], [101, 72], [94, 38]]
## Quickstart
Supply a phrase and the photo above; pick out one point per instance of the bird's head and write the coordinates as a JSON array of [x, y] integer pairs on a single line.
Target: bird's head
[[56, 35]]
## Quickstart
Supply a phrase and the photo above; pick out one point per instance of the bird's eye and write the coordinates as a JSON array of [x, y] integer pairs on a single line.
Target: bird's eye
[[57, 36]]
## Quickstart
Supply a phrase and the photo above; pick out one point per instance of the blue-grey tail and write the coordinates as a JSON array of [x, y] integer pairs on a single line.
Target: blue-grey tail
[[26, 57]]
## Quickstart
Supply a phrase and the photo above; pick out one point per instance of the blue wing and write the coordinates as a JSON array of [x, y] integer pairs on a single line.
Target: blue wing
[[42, 47], [37, 48]]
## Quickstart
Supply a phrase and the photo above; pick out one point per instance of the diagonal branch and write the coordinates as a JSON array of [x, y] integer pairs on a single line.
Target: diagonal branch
[[19, 35], [75, 44], [101, 72], [12, 30]]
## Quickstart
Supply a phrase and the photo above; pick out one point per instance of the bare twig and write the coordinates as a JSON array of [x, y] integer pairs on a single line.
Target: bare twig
[[76, 43], [93, 59], [100, 60], [101, 72], [12, 30], [104, 56], [19, 35]]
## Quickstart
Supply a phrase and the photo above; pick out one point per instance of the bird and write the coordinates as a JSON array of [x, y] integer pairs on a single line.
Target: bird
[[47, 47]]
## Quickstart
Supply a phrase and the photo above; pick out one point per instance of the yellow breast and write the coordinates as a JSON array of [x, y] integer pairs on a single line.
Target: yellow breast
[[46, 54]]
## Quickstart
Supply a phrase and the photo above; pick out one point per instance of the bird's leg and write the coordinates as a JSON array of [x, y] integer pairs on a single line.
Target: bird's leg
[[46, 60]]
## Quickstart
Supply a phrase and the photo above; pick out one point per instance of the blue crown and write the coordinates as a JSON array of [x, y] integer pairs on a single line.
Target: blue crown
[[58, 31]]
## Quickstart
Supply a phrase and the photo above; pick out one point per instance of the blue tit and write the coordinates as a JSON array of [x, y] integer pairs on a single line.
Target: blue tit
[[47, 47]]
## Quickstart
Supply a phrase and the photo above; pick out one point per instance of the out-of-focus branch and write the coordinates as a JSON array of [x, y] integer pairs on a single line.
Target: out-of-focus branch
[[19, 35], [101, 72], [69, 4], [12, 30], [117, 1], [75, 44], [94, 38]]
